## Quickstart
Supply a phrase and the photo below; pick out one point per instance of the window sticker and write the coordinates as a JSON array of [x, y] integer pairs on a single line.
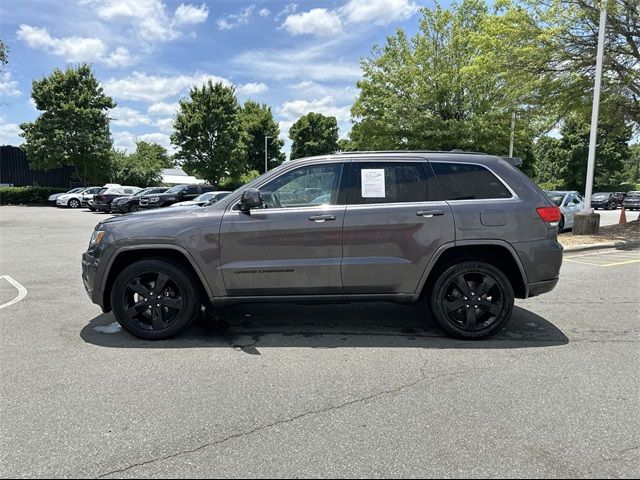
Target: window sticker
[[373, 183]]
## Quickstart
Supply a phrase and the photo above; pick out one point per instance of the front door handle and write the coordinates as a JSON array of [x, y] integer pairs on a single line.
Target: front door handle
[[430, 213], [321, 218]]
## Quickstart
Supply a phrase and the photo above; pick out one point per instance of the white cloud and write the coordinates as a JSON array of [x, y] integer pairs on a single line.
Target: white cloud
[[265, 12], [310, 89], [73, 49], [309, 63], [165, 125], [128, 117], [126, 140], [319, 22], [380, 12], [155, 88], [252, 88], [190, 15], [159, 138], [8, 87], [326, 106], [9, 133], [162, 108], [236, 19], [150, 19], [288, 10]]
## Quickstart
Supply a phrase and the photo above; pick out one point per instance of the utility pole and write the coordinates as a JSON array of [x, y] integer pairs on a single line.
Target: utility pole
[[266, 166], [588, 222], [513, 131]]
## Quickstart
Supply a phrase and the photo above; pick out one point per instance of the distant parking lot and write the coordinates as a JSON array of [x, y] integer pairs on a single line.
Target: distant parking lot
[[332, 391]]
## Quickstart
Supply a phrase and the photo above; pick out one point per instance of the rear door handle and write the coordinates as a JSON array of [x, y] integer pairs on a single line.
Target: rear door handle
[[321, 218], [430, 213]]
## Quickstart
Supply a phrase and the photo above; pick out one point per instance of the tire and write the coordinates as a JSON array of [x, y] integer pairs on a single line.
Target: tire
[[134, 208], [456, 287], [177, 299], [73, 203], [561, 224]]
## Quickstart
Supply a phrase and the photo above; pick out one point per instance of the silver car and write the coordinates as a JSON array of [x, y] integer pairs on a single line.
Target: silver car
[[570, 203]]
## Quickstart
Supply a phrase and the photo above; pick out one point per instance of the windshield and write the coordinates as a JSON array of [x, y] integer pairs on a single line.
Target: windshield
[[76, 190], [144, 191], [175, 189], [600, 195], [633, 194], [205, 197], [556, 197]]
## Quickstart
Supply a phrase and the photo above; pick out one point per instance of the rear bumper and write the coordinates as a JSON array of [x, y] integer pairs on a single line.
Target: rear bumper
[[538, 288]]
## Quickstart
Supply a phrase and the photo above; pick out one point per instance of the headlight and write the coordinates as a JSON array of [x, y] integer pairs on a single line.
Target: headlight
[[96, 238], [154, 199]]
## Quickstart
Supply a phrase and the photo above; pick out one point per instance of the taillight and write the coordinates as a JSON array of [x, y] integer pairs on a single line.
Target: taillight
[[549, 214]]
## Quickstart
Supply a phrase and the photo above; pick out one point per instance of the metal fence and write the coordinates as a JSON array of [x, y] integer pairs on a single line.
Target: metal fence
[[15, 171]]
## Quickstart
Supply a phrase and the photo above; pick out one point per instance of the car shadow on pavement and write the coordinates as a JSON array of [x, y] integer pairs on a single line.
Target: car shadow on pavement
[[252, 327]]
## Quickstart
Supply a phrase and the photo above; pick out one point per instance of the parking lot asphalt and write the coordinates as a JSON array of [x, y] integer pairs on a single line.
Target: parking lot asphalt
[[355, 390]]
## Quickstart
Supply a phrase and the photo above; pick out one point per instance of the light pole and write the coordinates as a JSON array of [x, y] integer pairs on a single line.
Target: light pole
[[266, 167], [513, 131], [587, 222]]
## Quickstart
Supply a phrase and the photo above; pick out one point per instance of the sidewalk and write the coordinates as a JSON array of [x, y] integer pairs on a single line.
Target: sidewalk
[[613, 236]]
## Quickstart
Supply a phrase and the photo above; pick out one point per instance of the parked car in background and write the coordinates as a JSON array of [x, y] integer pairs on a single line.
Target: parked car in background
[[74, 200], [102, 201], [204, 199], [619, 196], [632, 201], [55, 196], [131, 203], [466, 232], [570, 203], [179, 193], [604, 200]]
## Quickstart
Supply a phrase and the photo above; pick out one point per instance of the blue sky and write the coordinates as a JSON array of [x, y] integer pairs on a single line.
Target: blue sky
[[297, 56]]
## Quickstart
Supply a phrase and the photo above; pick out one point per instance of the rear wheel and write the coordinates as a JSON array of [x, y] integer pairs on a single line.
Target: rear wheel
[[561, 224], [154, 299], [472, 300], [73, 203]]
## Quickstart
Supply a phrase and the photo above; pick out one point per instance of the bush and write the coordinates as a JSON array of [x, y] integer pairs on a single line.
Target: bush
[[552, 185], [27, 195]]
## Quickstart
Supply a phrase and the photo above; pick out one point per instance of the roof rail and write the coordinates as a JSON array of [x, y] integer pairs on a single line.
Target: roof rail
[[515, 161], [365, 152]]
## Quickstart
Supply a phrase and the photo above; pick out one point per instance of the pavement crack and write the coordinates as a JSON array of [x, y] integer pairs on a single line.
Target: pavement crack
[[423, 377]]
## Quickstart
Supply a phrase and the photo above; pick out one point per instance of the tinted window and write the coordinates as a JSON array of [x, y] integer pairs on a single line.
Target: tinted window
[[208, 188], [388, 182], [191, 189], [305, 186], [128, 191], [461, 181]]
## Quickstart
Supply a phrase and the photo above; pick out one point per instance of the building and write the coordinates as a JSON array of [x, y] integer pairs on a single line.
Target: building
[[177, 176], [16, 172]]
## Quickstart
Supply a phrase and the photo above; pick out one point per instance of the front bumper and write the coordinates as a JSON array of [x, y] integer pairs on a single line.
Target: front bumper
[[89, 270], [102, 207], [61, 203]]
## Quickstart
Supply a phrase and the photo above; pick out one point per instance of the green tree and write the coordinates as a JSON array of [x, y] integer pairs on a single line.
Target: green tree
[[314, 134], [563, 161], [258, 123], [73, 128], [142, 168], [433, 91], [207, 132]]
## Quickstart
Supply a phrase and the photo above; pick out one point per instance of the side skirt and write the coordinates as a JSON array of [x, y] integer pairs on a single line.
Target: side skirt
[[402, 298]]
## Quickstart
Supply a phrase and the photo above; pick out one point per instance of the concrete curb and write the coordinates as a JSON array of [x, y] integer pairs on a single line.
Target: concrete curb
[[602, 246]]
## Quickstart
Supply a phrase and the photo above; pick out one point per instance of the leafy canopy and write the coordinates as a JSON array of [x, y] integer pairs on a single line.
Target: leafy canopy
[[314, 134], [73, 128]]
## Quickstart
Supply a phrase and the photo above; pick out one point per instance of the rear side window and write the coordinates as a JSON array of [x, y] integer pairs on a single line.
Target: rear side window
[[390, 182], [462, 181]]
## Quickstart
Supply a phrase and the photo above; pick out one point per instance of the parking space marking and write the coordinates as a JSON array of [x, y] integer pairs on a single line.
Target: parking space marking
[[22, 292], [606, 259]]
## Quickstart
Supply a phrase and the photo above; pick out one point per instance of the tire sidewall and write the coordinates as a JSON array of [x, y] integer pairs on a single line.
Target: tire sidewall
[[177, 274], [73, 203], [441, 284]]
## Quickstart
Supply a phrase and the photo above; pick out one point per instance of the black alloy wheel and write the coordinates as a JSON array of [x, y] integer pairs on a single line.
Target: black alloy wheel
[[472, 300], [154, 299]]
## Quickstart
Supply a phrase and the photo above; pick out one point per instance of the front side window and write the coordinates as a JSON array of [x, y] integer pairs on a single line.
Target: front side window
[[389, 182], [191, 189], [463, 181], [304, 187]]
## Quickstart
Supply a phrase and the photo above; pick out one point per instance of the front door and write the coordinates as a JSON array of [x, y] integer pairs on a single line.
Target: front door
[[292, 246], [395, 222]]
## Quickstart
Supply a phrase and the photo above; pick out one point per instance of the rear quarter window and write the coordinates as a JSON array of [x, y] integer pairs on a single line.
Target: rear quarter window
[[462, 181]]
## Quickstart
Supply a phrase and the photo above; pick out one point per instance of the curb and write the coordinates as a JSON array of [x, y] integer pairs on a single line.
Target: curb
[[599, 246]]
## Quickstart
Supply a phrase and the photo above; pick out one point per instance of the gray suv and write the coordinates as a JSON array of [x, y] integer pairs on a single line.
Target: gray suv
[[463, 233]]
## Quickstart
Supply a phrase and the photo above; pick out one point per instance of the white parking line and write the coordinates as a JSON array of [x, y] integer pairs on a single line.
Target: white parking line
[[22, 292]]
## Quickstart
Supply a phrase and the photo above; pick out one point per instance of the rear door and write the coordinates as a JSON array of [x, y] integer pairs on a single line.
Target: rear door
[[293, 246], [394, 223]]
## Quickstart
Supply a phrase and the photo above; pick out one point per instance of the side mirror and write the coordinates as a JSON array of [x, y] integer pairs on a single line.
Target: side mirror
[[250, 199]]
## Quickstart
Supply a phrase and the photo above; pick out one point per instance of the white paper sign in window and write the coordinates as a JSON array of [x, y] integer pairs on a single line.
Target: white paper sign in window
[[373, 183]]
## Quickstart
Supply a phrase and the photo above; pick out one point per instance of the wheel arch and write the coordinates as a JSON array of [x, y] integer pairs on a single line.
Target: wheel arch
[[127, 255], [496, 252]]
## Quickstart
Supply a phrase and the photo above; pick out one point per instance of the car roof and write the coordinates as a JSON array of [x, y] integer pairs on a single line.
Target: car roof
[[434, 155]]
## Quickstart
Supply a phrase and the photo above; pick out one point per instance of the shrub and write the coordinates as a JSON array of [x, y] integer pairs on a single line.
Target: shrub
[[552, 185], [27, 195]]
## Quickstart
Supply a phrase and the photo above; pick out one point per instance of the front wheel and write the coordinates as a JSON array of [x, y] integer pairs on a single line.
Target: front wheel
[[154, 299], [472, 300], [73, 203], [134, 208]]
